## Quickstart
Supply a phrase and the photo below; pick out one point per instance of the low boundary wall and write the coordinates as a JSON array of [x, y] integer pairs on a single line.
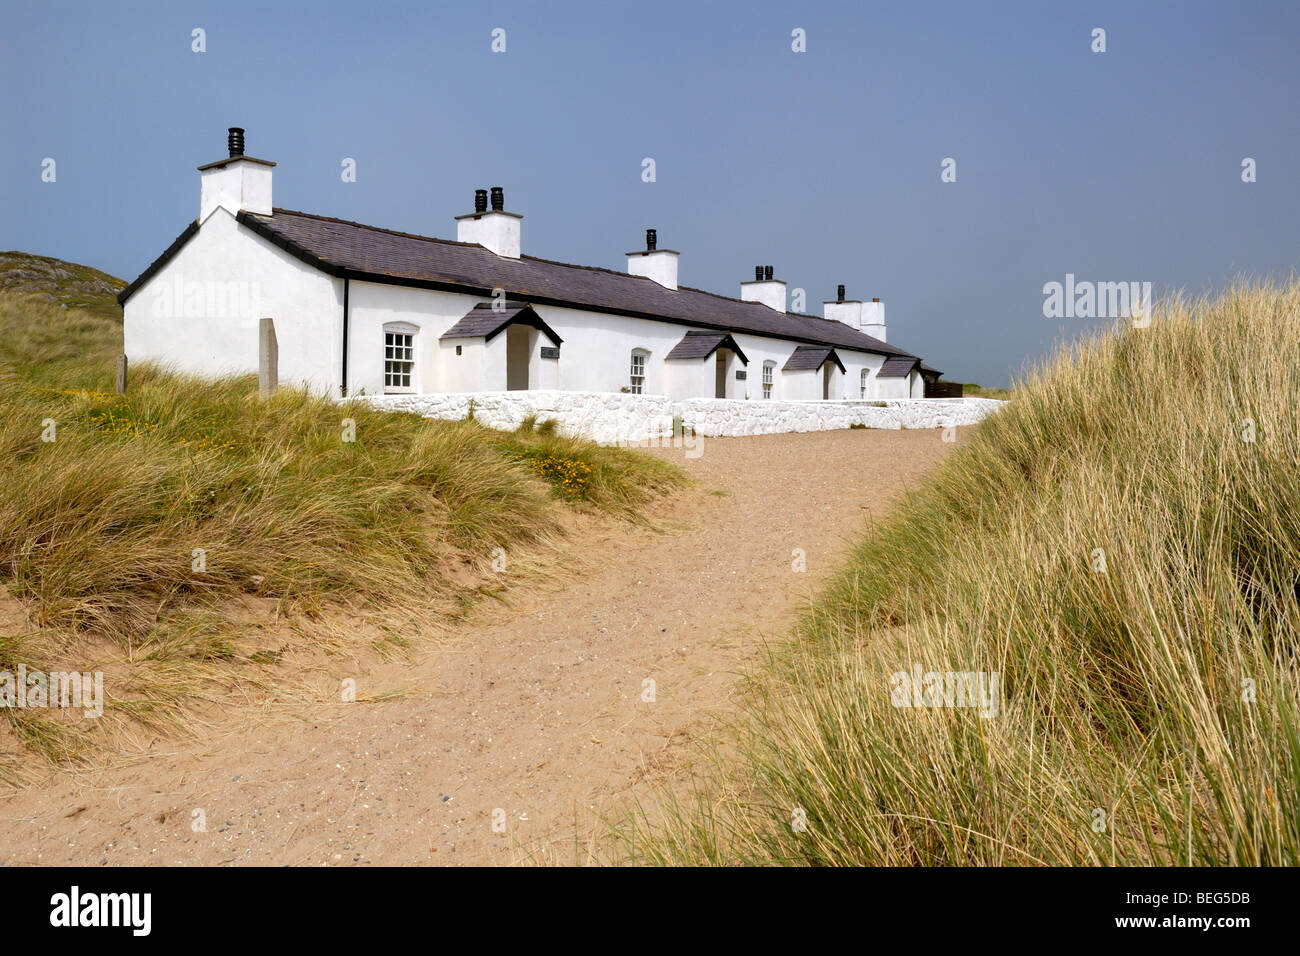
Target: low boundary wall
[[615, 417]]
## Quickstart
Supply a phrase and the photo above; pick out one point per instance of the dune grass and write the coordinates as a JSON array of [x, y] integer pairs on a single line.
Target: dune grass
[[970, 389], [1121, 546], [143, 518]]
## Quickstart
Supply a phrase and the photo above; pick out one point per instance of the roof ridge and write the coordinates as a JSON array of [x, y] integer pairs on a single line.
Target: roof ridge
[[362, 225]]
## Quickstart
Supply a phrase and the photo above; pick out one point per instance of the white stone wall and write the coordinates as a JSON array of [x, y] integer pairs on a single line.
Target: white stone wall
[[612, 418], [713, 418], [606, 417]]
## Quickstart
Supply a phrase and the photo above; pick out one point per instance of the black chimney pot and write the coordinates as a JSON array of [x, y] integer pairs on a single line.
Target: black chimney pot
[[480, 200], [758, 273], [839, 294], [651, 239], [767, 273], [498, 198], [235, 141]]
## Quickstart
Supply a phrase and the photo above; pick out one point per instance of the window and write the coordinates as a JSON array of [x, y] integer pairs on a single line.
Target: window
[[637, 379], [866, 380], [399, 359], [767, 378]]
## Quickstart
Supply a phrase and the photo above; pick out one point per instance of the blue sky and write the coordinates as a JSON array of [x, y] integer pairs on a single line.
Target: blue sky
[[1115, 166]]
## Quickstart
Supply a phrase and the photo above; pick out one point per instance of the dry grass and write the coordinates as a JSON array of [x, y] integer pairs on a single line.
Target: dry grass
[[1148, 714], [970, 389], [153, 520]]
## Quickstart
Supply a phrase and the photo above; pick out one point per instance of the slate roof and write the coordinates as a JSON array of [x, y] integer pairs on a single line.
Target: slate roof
[[897, 367], [700, 345], [352, 250], [485, 322], [812, 357]]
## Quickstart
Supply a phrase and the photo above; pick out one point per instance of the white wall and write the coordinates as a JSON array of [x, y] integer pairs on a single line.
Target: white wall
[[804, 385], [597, 352], [438, 368], [465, 372], [684, 378], [713, 418], [611, 418], [894, 388], [199, 313], [602, 416]]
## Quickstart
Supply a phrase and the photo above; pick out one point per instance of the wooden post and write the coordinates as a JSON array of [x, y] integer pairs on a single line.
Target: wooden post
[[268, 358], [119, 376]]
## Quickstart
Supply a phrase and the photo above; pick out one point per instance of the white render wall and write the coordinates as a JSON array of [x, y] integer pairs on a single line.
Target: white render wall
[[613, 418], [596, 355], [199, 313]]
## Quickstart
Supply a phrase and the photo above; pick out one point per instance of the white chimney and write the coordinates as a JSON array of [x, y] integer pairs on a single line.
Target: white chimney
[[764, 289], [236, 183], [654, 263], [873, 319], [494, 228], [848, 311], [868, 317]]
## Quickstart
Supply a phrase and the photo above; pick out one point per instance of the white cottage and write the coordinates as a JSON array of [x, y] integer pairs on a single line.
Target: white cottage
[[363, 310]]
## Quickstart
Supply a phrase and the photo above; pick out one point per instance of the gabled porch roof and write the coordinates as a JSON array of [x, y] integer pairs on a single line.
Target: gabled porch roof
[[896, 366], [485, 322], [811, 357], [700, 345]]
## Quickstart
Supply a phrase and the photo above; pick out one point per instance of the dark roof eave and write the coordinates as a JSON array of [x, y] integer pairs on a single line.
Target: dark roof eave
[[234, 159], [721, 339], [522, 315], [828, 355], [158, 263], [288, 245], [898, 366]]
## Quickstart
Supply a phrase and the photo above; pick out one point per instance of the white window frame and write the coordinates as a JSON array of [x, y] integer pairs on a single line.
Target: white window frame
[[637, 371], [406, 378], [865, 381], [768, 375]]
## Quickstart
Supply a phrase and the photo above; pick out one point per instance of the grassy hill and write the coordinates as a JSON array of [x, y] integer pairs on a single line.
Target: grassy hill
[[1121, 547], [66, 283], [186, 536]]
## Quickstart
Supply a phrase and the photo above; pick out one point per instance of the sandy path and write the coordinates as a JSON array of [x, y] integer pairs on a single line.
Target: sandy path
[[537, 711]]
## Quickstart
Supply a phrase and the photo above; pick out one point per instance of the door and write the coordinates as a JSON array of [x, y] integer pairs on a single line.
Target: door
[[518, 353], [827, 369], [720, 377]]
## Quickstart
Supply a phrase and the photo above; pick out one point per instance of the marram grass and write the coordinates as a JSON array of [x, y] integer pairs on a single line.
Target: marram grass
[[147, 518], [1148, 713]]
